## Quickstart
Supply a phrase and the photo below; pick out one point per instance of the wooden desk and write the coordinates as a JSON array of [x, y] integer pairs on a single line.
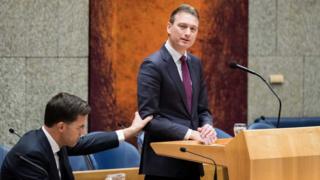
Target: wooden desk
[[264, 154], [132, 173]]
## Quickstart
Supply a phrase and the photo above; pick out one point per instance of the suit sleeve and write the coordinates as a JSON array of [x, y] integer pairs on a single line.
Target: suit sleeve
[[205, 116], [27, 167], [149, 88], [94, 142]]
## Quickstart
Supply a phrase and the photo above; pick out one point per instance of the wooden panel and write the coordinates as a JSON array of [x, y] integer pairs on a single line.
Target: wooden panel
[[172, 149], [273, 154], [289, 153], [132, 173], [124, 32], [224, 39], [238, 161]]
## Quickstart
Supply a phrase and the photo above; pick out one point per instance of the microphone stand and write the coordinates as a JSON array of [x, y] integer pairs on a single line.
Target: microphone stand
[[215, 176], [274, 93], [235, 65]]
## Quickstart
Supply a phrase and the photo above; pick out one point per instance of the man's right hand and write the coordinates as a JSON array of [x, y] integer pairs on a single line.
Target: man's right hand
[[195, 135], [208, 134], [136, 126]]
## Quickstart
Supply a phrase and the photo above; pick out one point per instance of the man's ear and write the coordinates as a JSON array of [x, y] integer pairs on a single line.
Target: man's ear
[[61, 126], [169, 28]]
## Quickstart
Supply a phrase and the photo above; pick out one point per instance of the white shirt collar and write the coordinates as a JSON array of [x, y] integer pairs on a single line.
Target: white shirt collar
[[175, 54], [54, 145]]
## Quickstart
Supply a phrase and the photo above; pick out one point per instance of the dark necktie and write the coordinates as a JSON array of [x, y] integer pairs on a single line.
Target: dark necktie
[[187, 83], [63, 171]]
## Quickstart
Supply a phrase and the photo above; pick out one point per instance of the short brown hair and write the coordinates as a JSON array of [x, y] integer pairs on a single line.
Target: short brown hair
[[184, 8], [65, 107]]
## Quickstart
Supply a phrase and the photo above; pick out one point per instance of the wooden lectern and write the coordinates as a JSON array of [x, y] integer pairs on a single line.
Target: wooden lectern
[[269, 154]]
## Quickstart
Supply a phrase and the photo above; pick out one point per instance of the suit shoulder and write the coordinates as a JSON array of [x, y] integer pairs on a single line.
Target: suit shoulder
[[193, 57], [29, 150], [31, 143], [154, 57], [195, 61]]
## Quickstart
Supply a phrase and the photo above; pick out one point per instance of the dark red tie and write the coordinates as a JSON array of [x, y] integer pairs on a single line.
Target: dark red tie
[[187, 83]]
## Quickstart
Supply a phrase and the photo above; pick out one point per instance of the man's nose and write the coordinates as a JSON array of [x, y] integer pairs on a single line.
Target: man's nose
[[187, 32]]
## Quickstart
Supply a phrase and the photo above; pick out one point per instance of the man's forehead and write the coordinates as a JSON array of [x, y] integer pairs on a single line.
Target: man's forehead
[[184, 17]]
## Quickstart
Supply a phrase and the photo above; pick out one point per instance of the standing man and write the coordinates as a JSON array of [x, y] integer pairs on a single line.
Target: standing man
[[43, 154], [171, 87]]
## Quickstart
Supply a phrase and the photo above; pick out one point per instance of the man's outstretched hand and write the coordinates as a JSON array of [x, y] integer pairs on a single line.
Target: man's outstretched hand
[[136, 126]]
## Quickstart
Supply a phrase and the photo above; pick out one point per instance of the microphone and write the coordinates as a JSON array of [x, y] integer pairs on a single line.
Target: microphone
[[32, 163], [237, 66], [12, 131], [215, 177]]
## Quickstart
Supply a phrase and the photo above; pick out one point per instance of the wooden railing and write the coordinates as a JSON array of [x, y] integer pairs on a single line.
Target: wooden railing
[[132, 173]]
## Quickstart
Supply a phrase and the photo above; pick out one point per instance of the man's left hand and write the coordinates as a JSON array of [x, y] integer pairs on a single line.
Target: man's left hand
[[208, 134]]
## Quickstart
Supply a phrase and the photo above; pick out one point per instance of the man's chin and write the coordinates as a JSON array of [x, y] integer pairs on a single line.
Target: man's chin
[[72, 145], [186, 45]]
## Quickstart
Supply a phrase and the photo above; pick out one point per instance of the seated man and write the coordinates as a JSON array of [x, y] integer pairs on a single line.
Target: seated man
[[42, 153]]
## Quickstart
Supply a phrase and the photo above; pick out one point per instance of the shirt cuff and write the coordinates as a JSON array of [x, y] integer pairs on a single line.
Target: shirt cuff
[[188, 134], [120, 135]]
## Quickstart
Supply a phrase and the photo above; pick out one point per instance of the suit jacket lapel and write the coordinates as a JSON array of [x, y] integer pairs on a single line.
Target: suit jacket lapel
[[174, 74]]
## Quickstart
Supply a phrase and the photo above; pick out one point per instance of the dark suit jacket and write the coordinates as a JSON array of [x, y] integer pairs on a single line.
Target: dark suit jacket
[[161, 94], [34, 146]]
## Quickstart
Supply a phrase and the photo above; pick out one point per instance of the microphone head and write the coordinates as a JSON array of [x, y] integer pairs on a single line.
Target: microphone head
[[233, 65], [183, 149], [11, 131]]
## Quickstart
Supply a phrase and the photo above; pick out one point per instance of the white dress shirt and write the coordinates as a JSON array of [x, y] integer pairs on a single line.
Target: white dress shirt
[[54, 146], [176, 58]]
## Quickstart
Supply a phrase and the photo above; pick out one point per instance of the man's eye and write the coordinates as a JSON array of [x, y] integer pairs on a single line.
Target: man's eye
[[193, 29], [182, 26]]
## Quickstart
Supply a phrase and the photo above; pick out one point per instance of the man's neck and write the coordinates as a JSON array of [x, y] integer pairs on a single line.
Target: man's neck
[[54, 135]]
